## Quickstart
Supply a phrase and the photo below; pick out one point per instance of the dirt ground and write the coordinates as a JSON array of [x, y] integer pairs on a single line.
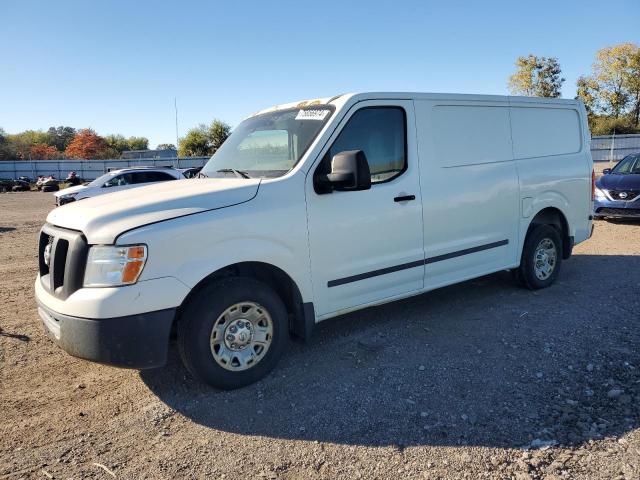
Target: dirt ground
[[477, 380]]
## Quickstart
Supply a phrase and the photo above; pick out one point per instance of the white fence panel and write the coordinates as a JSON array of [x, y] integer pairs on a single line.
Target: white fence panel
[[87, 169], [612, 148]]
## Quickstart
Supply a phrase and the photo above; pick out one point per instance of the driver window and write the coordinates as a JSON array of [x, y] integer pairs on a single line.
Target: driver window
[[118, 181], [380, 133]]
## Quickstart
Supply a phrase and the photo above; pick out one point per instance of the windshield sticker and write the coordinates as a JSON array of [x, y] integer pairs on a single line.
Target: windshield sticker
[[312, 114]]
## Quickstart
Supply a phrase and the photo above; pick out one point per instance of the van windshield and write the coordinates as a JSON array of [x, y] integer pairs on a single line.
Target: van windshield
[[268, 145]]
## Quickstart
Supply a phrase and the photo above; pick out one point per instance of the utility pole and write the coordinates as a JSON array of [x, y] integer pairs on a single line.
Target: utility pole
[[613, 142], [175, 106]]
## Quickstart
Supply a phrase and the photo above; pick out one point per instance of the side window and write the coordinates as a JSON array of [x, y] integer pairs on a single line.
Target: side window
[[380, 133], [119, 181], [148, 177]]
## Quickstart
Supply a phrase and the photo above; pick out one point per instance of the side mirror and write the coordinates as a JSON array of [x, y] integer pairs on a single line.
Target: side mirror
[[606, 171], [349, 172]]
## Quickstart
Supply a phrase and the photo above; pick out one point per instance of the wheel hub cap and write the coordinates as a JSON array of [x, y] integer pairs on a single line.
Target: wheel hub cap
[[545, 259], [238, 334], [241, 336]]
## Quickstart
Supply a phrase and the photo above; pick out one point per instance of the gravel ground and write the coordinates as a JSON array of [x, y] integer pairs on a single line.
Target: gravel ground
[[477, 380]]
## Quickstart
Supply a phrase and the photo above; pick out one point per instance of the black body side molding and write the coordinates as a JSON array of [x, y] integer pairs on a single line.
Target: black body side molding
[[417, 263]]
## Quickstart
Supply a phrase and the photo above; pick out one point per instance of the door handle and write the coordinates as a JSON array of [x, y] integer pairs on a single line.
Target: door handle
[[404, 198]]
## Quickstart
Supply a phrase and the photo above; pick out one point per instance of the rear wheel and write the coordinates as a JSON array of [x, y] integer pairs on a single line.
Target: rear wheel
[[233, 332], [541, 258]]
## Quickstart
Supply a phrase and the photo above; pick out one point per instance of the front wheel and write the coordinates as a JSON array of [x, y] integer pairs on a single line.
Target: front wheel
[[541, 258], [233, 332]]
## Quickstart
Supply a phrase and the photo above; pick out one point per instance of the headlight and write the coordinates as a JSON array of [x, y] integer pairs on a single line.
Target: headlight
[[600, 193], [113, 266], [68, 198]]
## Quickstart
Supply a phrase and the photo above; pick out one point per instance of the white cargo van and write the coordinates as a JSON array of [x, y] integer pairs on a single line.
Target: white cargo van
[[310, 210]]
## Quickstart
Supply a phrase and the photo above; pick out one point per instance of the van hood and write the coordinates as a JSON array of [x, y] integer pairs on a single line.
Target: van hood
[[104, 217], [68, 190]]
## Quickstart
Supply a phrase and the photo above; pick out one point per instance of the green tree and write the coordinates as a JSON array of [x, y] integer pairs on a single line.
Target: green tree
[[632, 82], [60, 137], [204, 140], [117, 143], [20, 143], [166, 146], [615, 81], [138, 143], [195, 143], [587, 91], [5, 150], [218, 133], [608, 125], [536, 77]]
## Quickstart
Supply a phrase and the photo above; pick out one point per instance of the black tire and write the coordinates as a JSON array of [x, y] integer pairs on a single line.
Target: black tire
[[525, 274], [199, 317], [50, 188]]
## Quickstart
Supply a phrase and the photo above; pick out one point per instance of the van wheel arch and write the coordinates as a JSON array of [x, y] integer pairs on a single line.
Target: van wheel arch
[[555, 218], [301, 314]]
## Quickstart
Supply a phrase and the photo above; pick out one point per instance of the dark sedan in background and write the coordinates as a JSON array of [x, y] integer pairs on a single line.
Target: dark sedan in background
[[618, 190]]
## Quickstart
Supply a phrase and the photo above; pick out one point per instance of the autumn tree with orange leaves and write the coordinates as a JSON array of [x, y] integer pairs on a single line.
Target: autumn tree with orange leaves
[[87, 145], [42, 151]]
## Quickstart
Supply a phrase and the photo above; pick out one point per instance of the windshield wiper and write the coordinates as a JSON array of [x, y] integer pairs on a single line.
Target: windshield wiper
[[202, 175], [237, 173]]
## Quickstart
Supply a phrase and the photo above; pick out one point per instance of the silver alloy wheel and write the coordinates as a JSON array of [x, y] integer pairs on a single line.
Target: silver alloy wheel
[[545, 258], [241, 336]]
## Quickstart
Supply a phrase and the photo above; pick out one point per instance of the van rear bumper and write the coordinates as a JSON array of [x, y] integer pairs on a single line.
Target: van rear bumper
[[135, 341]]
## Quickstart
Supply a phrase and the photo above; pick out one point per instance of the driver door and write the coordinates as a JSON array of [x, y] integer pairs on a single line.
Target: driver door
[[367, 246]]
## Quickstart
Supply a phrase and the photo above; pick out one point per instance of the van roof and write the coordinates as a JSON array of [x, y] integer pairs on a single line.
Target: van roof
[[343, 98]]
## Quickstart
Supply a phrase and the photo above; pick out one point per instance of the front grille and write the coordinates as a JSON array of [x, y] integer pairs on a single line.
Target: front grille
[[62, 256], [626, 194], [626, 212]]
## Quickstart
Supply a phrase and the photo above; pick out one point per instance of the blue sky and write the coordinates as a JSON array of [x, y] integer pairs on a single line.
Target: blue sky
[[116, 66]]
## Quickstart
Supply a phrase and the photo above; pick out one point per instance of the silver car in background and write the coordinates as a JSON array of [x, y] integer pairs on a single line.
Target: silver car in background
[[116, 180]]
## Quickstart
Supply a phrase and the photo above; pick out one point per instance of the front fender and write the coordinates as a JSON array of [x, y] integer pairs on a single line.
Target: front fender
[[250, 249], [272, 230]]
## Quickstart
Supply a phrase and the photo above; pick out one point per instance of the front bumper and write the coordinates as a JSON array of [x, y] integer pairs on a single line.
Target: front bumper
[[616, 208], [134, 341]]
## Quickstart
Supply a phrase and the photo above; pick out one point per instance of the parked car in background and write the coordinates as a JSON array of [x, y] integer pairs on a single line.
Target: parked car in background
[[5, 184], [618, 190], [190, 172], [48, 184], [117, 180], [20, 186], [73, 179]]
